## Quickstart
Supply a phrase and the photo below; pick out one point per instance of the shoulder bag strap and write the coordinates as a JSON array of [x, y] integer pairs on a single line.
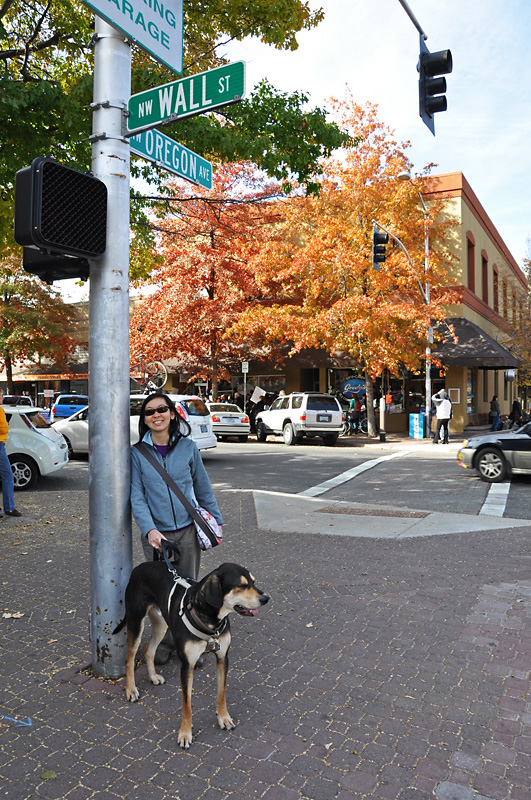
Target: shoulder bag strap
[[194, 513]]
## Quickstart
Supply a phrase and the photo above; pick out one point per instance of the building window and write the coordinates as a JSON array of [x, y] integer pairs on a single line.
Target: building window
[[504, 300], [495, 302], [484, 277], [471, 262]]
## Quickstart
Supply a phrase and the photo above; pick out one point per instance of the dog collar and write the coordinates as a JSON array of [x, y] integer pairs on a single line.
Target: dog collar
[[211, 637]]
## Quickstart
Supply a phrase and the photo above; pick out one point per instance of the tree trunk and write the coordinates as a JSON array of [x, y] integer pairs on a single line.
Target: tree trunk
[[9, 373], [369, 402]]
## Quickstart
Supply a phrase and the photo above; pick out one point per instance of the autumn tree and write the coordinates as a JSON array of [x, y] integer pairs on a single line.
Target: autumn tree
[[33, 320], [327, 294], [46, 90], [202, 283]]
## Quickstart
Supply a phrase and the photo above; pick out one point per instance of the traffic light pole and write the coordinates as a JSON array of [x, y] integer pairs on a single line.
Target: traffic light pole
[[109, 438]]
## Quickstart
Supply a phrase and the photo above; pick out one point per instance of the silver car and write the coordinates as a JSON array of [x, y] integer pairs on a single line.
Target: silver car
[[497, 455]]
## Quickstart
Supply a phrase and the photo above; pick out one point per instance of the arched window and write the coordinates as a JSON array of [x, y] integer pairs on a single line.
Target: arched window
[[484, 277], [471, 261]]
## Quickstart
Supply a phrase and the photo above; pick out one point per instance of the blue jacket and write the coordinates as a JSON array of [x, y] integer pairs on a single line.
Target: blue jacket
[[154, 504]]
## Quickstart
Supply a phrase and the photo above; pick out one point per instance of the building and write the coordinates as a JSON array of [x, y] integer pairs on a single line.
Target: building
[[492, 300]]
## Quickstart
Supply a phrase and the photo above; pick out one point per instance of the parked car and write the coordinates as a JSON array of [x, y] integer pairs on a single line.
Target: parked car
[[65, 405], [229, 420], [497, 455], [17, 400], [301, 414], [75, 429], [32, 450]]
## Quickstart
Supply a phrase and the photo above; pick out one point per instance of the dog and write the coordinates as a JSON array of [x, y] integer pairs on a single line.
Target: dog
[[197, 615]]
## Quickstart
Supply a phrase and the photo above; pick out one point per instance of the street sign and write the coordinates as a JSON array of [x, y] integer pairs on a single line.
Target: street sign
[[155, 25], [165, 152], [245, 366], [186, 97]]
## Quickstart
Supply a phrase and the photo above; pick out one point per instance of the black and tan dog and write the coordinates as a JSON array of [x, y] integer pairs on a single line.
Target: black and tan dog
[[197, 615]]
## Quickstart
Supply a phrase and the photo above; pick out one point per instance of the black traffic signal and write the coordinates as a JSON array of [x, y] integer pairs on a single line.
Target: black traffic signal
[[60, 210], [379, 240], [431, 87]]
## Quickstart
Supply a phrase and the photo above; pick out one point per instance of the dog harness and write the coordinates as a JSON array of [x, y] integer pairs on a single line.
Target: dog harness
[[210, 637]]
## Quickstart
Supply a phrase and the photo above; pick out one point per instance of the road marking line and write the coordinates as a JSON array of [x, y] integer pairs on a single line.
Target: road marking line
[[496, 500], [321, 488]]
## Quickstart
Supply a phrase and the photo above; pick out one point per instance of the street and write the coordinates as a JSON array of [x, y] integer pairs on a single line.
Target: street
[[420, 478], [391, 663]]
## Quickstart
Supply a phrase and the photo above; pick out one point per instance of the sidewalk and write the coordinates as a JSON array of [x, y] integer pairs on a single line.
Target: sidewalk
[[388, 669]]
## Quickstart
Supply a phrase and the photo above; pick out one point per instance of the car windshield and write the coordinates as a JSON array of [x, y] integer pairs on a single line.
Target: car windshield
[[225, 407], [195, 407], [322, 403]]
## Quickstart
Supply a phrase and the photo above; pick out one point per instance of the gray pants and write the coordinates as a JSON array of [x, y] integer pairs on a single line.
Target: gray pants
[[189, 550]]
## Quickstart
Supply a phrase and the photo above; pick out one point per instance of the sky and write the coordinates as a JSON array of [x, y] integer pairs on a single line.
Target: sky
[[372, 47]]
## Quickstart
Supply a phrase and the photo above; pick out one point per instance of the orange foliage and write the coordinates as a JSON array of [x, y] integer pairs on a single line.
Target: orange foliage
[[203, 284], [318, 276]]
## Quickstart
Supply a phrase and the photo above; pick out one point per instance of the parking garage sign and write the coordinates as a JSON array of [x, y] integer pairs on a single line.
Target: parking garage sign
[[155, 25]]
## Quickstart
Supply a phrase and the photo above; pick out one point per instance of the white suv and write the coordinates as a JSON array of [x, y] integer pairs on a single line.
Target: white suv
[[301, 414]]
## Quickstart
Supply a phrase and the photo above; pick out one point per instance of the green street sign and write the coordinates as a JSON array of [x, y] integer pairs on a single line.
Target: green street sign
[[186, 97], [165, 152]]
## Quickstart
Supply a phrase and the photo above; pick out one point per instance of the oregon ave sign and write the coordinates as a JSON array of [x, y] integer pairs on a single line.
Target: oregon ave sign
[[186, 98], [155, 25]]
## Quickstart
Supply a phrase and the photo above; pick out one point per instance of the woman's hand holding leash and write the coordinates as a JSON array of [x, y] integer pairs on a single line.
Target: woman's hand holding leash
[[155, 537]]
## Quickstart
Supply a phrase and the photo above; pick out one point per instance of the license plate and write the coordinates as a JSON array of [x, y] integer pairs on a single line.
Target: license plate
[[324, 418], [230, 421], [204, 428]]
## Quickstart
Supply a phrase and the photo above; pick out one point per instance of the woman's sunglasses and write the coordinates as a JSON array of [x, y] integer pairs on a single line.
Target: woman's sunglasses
[[160, 410]]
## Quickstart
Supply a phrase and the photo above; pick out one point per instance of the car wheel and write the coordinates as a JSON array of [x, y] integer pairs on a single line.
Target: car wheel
[[491, 465], [289, 435], [25, 471], [242, 438], [261, 434], [69, 445], [329, 439]]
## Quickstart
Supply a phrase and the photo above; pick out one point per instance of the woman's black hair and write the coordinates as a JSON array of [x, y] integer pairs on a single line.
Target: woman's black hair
[[178, 426]]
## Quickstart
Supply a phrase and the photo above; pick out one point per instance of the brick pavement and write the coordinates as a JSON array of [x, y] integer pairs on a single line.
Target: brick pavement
[[395, 670]]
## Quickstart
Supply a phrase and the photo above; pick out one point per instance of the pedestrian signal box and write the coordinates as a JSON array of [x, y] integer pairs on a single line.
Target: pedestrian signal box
[[60, 210]]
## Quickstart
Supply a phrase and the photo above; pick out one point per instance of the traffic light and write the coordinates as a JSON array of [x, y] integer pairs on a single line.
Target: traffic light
[[60, 210], [379, 240], [431, 87]]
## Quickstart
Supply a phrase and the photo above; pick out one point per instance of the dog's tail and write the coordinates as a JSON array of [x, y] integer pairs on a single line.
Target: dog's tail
[[120, 626]]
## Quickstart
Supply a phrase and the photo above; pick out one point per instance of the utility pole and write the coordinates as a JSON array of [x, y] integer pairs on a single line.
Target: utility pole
[[109, 438]]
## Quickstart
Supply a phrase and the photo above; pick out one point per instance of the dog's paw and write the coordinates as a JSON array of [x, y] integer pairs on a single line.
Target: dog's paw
[[226, 723], [132, 694], [157, 680], [184, 738]]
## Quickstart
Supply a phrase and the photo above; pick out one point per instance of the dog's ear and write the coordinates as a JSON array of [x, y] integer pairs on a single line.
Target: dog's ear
[[212, 591]]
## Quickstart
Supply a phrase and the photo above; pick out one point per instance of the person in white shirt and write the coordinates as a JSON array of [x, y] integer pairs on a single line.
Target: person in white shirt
[[444, 414]]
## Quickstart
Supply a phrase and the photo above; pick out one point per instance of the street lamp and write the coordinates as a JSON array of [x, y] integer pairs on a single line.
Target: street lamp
[[405, 176]]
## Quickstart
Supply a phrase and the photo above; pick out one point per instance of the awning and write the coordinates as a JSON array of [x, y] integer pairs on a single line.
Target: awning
[[474, 348]]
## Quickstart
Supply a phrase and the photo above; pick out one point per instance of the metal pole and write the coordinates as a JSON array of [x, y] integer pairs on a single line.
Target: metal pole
[[109, 438], [430, 329]]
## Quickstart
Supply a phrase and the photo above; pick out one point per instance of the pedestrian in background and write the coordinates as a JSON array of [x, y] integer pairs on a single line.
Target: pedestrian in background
[[495, 413], [443, 404], [6, 473], [516, 412]]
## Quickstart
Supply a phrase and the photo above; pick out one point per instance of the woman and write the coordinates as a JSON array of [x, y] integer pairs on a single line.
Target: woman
[[157, 511], [495, 411]]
